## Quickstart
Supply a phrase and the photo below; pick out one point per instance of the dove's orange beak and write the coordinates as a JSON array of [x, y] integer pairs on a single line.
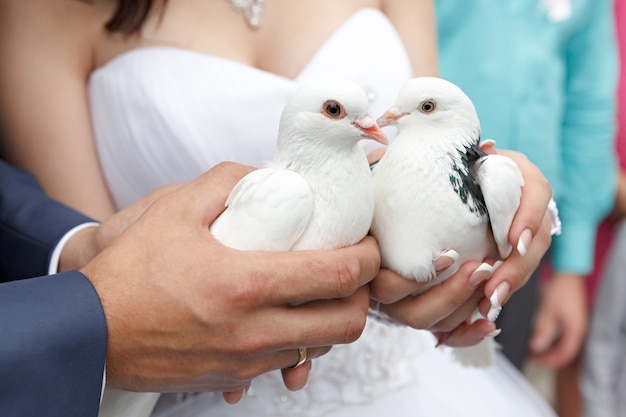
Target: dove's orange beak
[[370, 129], [391, 116]]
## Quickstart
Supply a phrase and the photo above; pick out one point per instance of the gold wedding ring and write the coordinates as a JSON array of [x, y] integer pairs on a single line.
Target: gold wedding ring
[[303, 352]]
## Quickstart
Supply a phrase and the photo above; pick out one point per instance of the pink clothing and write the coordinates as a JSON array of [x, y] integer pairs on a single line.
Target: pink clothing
[[606, 230], [620, 21]]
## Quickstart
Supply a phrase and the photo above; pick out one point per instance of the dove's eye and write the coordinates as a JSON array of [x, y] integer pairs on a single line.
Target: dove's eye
[[333, 110], [427, 106]]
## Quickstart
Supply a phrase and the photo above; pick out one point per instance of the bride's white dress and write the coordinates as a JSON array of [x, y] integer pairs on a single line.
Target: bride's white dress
[[163, 115]]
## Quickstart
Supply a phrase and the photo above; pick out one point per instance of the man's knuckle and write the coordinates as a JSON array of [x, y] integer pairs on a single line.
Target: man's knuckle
[[382, 294], [354, 329], [347, 276]]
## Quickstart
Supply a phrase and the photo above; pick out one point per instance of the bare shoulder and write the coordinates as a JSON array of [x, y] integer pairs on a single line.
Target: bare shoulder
[[415, 22], [47, 51], [67, 29]]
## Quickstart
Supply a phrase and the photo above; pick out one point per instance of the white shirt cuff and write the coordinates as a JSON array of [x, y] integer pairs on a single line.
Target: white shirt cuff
[[53, 267], [104, 382]]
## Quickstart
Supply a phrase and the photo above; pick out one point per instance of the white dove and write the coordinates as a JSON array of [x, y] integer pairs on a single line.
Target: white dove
[[436, 191], [317, 192]]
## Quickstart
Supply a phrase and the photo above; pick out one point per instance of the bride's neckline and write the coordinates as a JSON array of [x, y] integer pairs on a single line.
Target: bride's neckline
[[136, 53]]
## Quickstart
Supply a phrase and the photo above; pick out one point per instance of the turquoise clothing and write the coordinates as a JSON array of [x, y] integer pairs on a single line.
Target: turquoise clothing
[[545, 85]]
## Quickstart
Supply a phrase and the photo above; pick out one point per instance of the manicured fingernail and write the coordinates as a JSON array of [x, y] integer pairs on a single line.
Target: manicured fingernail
[[488, 142], [524, 241], [500, 293], [494, 312], [476, 315], [494, 333], [444, 260], [482, 273], [442, 339]]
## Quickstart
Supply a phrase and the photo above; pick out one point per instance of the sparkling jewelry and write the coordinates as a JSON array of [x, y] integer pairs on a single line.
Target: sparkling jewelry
[[251, 9]]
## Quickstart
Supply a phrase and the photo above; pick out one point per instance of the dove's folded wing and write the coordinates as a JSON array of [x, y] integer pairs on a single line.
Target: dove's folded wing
[[501, 183], [267, 210]]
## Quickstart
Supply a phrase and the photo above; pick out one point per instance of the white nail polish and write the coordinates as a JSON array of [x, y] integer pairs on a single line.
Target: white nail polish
[[476, 315], [524, 241], [494, 299], [484, 267], [493, 313], [478, 275], [494, 333], [499, 294], [452, 254]]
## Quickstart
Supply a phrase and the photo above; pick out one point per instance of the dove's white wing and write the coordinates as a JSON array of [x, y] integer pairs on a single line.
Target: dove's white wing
[[267, 210], [501, 183]]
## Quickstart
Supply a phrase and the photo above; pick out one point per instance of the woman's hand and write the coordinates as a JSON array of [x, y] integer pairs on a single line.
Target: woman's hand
[[443, 309], [561, 321], [446, 309], [530, 232]]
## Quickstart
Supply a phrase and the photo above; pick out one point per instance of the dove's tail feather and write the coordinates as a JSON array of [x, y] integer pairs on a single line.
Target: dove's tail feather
[[481, 355]]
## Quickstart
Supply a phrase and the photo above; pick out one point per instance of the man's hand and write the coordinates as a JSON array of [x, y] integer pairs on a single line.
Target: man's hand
[[89, 242], [185, 313]]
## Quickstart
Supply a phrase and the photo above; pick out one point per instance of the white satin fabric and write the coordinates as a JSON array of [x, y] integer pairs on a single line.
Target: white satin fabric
[[163, 115]]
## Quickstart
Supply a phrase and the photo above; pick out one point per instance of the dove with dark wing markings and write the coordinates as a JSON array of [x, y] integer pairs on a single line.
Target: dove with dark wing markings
[[436, 190]]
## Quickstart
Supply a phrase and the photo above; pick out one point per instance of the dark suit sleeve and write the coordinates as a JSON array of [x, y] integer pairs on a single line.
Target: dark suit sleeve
[[53, 334], [31, 224], [53, 341]]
